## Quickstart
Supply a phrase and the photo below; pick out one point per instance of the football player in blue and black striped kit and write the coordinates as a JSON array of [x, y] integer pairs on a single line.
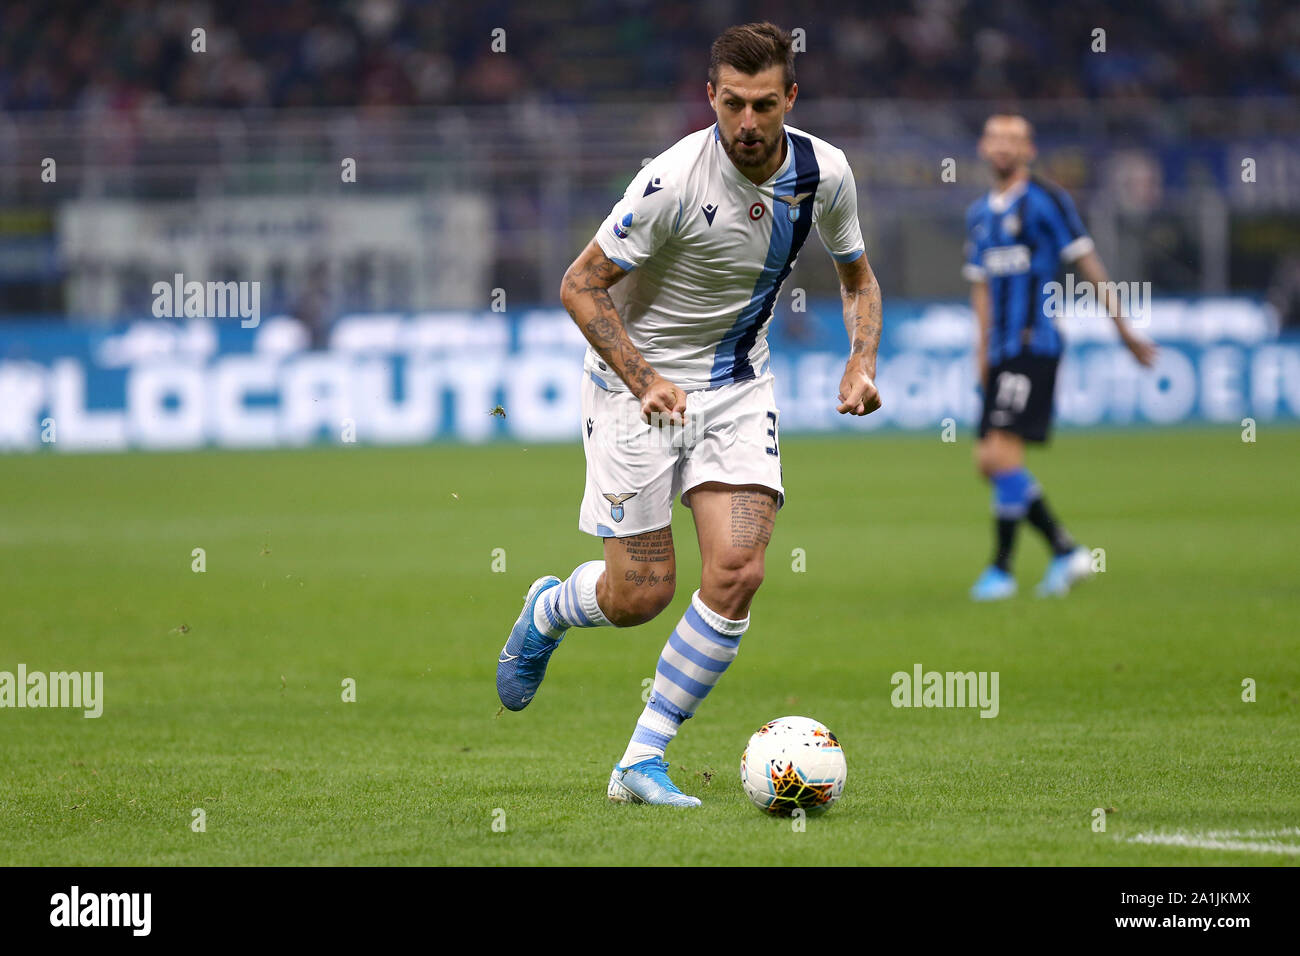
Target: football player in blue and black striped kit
[[1019, 237]]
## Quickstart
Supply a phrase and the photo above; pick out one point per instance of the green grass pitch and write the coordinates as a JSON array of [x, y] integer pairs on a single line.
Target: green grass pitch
[[223, 689]]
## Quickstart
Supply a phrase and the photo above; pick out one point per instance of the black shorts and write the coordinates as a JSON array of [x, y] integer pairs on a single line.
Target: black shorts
[[1018, 397]]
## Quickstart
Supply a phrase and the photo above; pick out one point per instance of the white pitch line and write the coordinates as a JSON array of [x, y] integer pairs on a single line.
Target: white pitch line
[[1237, 834], [1227, 840]]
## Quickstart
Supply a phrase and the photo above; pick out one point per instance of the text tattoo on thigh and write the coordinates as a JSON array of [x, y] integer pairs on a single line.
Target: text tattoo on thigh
[[647, 578], [752, 516], [654, 547]]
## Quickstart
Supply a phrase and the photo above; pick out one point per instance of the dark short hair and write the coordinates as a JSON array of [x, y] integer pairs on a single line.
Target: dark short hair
[[1029, 127], [752, 48]]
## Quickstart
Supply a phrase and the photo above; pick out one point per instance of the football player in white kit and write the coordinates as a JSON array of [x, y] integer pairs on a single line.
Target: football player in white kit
[[674, 295]]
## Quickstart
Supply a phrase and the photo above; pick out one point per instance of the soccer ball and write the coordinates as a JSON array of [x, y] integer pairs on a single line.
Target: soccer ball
[[793, 763]]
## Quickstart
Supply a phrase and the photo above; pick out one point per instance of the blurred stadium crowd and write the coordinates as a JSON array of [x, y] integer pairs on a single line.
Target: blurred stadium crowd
[[128, 54], [479, 170]]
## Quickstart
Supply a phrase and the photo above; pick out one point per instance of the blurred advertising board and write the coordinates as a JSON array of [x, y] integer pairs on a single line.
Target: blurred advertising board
[[408, 379]]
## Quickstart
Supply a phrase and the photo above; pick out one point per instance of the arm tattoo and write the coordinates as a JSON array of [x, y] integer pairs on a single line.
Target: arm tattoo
[[752, 515], [602, 326], [862, 318]]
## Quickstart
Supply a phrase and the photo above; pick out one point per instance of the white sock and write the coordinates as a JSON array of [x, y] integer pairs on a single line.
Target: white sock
[[698, 651], [573, 603]]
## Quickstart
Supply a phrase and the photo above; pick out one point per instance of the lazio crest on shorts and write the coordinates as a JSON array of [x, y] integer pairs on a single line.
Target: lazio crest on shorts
[[616, 504]]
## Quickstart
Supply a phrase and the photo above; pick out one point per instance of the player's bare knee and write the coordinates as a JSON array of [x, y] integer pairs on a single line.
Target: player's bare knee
[[635, 609], [751, 578], [998, 453], [730, 584], [631, 603]]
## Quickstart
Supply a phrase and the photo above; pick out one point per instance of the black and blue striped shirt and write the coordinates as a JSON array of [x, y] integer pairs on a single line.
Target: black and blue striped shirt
[[1017, 243]]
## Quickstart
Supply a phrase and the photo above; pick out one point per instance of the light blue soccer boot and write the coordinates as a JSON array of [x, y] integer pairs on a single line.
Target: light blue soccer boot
[[993, 585], [523, 660], [1065, 572], [647, 782]]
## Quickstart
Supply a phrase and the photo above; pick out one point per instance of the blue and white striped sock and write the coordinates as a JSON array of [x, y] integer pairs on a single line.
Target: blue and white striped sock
[[700, 648], [573, 603]]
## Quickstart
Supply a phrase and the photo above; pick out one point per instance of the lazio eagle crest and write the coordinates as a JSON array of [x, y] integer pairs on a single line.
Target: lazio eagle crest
[[792, 202], [616, 504]]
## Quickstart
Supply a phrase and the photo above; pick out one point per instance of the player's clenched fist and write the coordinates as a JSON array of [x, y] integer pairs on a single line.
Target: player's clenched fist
[[858, 395], [663, 403]]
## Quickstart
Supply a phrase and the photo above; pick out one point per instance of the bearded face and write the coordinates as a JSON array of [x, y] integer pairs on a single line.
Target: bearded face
[[751, 112], [749, 148]]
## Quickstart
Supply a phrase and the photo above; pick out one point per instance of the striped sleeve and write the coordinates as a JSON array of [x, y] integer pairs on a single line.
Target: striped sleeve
[[972, 270], [1062, 223]]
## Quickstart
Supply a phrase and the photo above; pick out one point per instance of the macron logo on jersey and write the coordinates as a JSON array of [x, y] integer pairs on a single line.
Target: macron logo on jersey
[[621, 228], [653, 186], [710, 209]]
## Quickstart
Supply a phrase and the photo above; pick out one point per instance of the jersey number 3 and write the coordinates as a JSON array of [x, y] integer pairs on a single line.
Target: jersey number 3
[[772, 448]]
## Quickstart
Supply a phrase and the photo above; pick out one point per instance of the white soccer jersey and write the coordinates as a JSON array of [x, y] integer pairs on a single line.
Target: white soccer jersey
[[707, 251]]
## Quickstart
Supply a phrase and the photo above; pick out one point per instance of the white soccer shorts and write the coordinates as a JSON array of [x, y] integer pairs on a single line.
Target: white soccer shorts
[[635, 470]]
